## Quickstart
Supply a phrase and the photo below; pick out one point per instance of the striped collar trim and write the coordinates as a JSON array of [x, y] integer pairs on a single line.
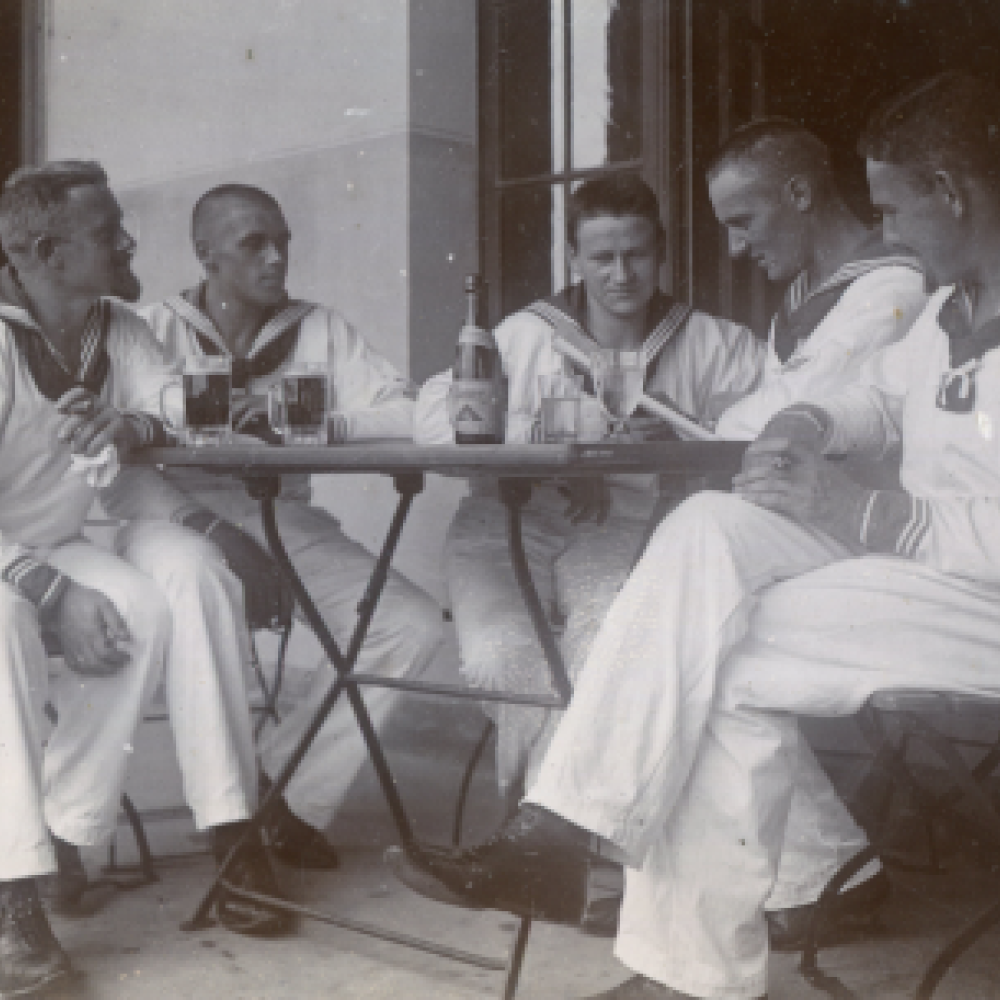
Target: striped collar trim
[[291, 313], [655, 341]]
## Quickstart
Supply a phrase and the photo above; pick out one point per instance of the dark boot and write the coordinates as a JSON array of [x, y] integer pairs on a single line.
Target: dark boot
[[62, 891], [536, 865], [31, 958], [294, 841], [250, 870]]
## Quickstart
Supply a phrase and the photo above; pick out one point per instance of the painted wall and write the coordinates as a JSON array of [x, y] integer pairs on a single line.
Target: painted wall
[[359, 117]]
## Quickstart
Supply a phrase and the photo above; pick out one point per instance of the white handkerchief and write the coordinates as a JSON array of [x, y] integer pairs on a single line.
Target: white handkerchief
[[99, 470]]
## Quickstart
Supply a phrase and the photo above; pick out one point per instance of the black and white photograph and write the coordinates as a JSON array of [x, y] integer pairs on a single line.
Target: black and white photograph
[[500, 498]]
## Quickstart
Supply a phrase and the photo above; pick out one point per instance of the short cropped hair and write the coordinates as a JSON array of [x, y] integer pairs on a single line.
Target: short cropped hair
[[246, 192], [34, 199], [776, 148], [949, 122], [617, 195]]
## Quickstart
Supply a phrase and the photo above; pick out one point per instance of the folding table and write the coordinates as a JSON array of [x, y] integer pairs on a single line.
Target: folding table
[[684, 466]]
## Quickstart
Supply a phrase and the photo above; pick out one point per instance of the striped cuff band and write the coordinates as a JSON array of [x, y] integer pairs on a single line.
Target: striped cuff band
[[894, 523], [35, 581]]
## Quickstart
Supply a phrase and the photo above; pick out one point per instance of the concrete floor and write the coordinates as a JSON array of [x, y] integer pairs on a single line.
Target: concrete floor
[[131, 946]]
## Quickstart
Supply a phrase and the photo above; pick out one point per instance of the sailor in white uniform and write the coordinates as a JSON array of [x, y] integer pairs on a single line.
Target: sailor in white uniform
[[802, 594], [80, 375], [242, 311]]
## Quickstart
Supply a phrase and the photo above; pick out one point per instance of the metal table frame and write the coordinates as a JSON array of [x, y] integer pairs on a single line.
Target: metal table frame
[[261, 468]]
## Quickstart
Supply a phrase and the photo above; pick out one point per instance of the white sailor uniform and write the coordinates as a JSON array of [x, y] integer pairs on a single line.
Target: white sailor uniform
[[376, 402], [74, 788], [736, 620]]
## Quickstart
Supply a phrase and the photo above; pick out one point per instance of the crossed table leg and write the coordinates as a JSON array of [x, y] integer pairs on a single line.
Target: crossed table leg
[[515, 494]]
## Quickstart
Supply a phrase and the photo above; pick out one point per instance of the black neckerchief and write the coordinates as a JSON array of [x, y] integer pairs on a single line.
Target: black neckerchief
[[966, 349], [265, 361], [802, 310], [48, 368]]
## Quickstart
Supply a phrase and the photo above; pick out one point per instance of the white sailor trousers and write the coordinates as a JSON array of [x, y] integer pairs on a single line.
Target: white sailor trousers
[[577, 570], [681, 745], [73, 787], [205, 682], [405, 633]]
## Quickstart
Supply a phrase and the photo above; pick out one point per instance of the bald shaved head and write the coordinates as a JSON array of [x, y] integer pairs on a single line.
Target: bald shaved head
[[221, 200]]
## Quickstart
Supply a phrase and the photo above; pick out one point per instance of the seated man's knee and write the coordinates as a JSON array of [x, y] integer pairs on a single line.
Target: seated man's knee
[[171, 554]]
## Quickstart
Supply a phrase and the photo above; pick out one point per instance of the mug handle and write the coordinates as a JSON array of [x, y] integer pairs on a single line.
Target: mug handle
[[170, 419]]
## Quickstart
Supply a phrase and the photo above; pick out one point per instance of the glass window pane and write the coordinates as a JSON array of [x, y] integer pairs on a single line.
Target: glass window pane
[[532, 226], [606, 74], [532, 89]]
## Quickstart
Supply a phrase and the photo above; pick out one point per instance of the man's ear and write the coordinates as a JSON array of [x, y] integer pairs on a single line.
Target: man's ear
[[45, 249], [951, 192], [203, 251], [799, 192]]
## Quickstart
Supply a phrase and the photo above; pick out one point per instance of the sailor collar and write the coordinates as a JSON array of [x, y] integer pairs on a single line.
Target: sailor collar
[[49, 368], [966, 349], [567, 312], [274, 341]]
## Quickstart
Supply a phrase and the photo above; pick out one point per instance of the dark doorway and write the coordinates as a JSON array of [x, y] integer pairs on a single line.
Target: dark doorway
[[827, 64]]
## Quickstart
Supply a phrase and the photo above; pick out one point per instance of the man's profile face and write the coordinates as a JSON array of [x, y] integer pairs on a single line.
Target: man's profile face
[[760, 219], [243, 245], [915, 215], [618, 260], [95, 250]]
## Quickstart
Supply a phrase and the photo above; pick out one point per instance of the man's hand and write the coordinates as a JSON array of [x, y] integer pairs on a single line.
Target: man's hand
[[91, 425], [250, 416], [92, 634], [589, 499], [267, 595], [792, 479]]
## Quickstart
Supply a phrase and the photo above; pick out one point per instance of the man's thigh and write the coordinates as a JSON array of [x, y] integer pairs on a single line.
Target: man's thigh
[[822, 643]]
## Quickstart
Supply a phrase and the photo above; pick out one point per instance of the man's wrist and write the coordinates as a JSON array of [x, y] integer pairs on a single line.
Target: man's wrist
[[38, 582], [144, 431]]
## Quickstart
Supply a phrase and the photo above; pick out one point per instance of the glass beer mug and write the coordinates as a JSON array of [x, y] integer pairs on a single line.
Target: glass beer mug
[[298, 404], [204, 414]]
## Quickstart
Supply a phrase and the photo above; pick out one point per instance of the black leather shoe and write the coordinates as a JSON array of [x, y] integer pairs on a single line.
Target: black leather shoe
[[296, 843], [787, 929], [250, 870], [62, 891], [31, 959], [536, 865], [641, 988]]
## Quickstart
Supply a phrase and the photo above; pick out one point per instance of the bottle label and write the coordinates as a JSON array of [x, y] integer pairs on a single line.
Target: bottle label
[[475, 408]]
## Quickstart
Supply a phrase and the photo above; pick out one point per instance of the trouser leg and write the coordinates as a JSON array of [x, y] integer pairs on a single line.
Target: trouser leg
[[816, 645], [25, 850], [89, 749], [496, 637], [405, 633], [588, 576], [650, 675], [207, 697], [821, 835]]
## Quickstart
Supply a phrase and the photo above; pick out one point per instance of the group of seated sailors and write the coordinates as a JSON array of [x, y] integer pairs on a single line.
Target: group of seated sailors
[[807, 587]]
